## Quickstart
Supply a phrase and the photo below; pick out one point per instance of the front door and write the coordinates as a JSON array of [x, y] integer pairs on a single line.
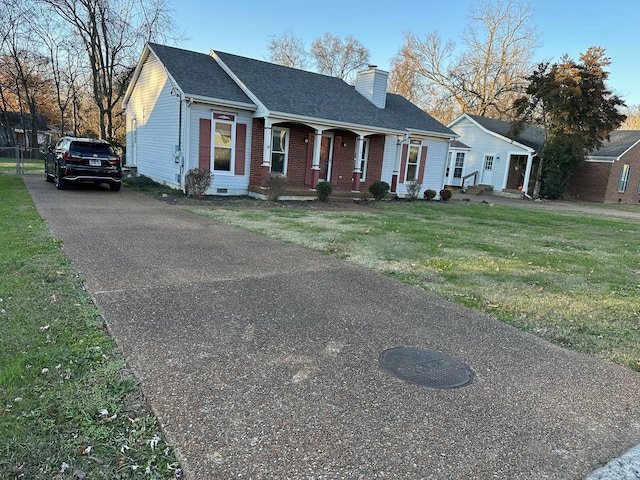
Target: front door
[[487, 170], [326, 155]]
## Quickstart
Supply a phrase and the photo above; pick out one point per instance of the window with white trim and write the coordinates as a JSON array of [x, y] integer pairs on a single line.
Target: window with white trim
[[279, 149], [222, 145], [412, 163], [488, 162], [459, 165], [625, 175], [364, 159]]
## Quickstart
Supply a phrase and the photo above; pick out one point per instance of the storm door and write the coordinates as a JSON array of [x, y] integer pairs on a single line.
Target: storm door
[[326, 157]]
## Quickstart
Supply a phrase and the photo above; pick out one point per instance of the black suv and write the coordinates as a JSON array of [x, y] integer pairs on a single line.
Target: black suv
[[74, 160]]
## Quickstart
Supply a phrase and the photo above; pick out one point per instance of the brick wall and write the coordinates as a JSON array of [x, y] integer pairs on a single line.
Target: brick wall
[[598, 181], [299, 153], [257, 141], [631, 195], [589, 182]]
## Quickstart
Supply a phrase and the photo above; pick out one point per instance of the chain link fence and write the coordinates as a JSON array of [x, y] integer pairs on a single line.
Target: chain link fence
[[22, 160]]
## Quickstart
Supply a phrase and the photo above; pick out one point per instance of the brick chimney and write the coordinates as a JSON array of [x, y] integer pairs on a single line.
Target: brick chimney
[[372, 84]]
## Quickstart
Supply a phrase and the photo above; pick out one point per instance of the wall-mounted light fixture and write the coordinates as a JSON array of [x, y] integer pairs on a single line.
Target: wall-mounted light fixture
[[344, 144], [306, 140]]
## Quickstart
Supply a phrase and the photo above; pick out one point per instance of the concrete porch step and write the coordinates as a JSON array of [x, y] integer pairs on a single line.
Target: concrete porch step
[[478, 189]]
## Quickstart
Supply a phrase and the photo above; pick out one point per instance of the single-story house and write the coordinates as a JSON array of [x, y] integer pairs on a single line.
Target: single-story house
[[16, 127], [491, 157], [487, 154], [612, 173], [243, 118]]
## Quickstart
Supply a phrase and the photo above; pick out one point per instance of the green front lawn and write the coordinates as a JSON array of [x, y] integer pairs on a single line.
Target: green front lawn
[[70, 407]]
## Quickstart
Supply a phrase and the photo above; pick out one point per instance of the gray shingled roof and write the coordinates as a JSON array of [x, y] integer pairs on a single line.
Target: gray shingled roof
[[291, 91], [619, 142], [458, 144], [197, 74], [298, 92], [17, 119], [532, 137]]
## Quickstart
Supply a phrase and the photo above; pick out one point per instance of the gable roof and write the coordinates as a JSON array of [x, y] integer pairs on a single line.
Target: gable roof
[[619, 142], [291, 91], [18, 119], [196, 74], [287, 92], [532, 137]]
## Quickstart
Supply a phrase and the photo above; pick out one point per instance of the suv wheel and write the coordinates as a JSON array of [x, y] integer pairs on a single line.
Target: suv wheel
[[48, 177], [59, 182], [115, 187]]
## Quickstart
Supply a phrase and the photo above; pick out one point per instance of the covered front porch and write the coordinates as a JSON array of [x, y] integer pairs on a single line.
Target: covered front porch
[[311, 153]]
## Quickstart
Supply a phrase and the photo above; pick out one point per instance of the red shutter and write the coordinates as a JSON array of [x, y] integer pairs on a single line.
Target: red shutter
[[204, 147], [241, 141], [403, 162], [423, 163]]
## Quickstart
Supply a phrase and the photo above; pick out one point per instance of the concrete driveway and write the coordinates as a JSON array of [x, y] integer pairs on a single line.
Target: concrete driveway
[[260, 358]]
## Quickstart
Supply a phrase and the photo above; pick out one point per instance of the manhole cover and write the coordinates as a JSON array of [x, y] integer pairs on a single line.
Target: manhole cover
[[422, 367]]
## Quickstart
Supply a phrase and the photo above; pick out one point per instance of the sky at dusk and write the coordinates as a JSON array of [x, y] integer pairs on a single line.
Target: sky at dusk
[[244, 27]]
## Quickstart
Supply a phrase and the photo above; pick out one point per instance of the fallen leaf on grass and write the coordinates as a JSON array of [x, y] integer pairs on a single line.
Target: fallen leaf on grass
[[84, 449]]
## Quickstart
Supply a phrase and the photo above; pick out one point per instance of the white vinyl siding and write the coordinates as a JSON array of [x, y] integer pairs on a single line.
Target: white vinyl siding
[[435, 167], [483, 143], [155, 111]]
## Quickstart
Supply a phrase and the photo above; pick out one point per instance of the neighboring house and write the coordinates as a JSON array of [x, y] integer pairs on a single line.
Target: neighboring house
[[15, 129], [612, 173], [243, 118], [493, 157], [509, 164]]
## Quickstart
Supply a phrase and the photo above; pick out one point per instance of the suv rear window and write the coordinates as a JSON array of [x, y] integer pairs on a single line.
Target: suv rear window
[[90, 149]]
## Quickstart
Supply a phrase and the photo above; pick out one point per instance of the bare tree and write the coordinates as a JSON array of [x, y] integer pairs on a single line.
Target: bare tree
[[288, 50], [339, 58], [633, 118], [64, 55], [112, 33], [25, 68], [486, 77]]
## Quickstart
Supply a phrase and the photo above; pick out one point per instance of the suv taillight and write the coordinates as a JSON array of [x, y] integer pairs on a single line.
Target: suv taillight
[[68, 156], [114, 160]]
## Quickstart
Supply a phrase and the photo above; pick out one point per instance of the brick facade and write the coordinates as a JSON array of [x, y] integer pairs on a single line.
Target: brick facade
[[589, 182], [598, 181], [300, 154]]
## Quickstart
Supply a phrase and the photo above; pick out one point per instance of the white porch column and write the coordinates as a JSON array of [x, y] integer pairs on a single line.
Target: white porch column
[[357, 171], [396, 165], [527, 174]]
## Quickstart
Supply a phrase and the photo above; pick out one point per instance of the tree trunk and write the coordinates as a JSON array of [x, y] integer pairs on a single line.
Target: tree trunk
[[538, 184]]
